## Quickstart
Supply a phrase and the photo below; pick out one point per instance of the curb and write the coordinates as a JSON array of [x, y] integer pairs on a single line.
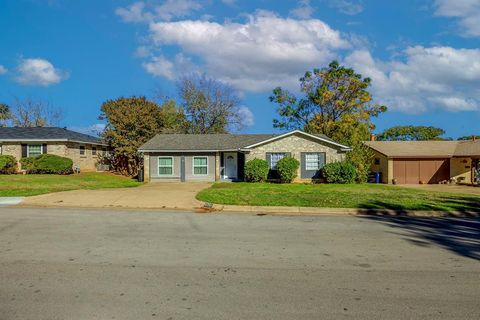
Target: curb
[[306, 211], [10, 201]]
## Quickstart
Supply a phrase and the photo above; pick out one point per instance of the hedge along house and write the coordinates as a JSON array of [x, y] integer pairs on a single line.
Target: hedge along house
[[429, 162], [222, 157], [84, 150]]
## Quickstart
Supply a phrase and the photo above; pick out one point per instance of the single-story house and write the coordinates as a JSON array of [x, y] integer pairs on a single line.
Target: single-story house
[[419, 162], [83, 149], [221, 157]]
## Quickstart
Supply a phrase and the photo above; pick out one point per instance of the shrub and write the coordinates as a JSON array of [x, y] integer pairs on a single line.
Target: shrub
[[47, 164], [27, 163], [256, 170], [8, 164], [340, 172], [287, 169]]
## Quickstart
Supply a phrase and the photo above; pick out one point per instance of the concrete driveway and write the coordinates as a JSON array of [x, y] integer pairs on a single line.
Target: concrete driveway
[[170, 195], [90, 264]]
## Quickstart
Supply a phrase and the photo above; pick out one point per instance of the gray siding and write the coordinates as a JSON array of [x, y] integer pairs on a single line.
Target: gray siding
[[189, 176]]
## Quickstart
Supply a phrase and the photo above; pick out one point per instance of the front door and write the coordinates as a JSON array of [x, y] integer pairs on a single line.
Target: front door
[[230, 171]]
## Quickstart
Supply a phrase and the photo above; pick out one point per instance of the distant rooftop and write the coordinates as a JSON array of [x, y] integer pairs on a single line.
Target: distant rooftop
[[45, 134]]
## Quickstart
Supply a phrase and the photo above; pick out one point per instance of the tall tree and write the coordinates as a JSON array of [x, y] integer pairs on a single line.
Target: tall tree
[[172, 118], [5, 114], [335, 102], [411, 133], [35, 113], [210, 106], [130, 123]]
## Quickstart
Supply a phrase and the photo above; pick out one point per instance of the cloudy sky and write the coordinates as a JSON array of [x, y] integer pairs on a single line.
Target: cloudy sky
[[422, 55]]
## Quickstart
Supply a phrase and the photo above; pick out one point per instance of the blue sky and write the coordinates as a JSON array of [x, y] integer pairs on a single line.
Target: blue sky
[[423, 56]]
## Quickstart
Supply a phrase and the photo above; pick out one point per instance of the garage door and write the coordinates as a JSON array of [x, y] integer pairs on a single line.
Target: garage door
[[412, 171]]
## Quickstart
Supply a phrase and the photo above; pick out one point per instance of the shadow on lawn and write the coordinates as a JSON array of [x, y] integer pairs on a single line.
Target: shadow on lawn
[[465, 204], [459, 235]]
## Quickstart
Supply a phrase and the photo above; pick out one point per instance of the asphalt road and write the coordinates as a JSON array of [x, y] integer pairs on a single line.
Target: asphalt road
[[93, 264]]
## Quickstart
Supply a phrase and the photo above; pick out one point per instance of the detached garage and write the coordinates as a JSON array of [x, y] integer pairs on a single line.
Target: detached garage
[[425, 162]]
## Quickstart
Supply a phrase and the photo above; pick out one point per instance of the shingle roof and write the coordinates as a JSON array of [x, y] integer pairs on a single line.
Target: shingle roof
[[208, 142], [415, 149], [204, 142], [45, 133]]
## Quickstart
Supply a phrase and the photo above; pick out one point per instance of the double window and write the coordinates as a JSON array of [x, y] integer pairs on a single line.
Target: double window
[[165, 166], [34, 150], [200, 165]]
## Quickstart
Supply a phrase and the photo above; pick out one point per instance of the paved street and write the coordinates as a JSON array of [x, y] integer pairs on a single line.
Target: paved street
[[106, 264]]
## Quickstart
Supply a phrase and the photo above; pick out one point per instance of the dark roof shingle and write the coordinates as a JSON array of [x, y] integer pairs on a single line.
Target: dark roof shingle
[[45, 133], [208, 142]]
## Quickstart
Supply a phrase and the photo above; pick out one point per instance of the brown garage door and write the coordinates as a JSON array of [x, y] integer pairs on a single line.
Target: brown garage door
[[412, 171]]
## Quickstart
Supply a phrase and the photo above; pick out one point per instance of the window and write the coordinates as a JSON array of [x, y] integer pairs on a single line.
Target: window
[[274, 158], [165, 166], [377, 161], [34, 150], [312, 161], [200, 165], [94, 151], [82, 150]]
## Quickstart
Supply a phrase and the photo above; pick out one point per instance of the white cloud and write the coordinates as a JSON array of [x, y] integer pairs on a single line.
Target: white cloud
[[467, 11], [38, 72], [349, 7], [427, 78], [264, 52], [3, 70], [248, 119], [229, 2], [169, 9], [160, 66], [304, 10]]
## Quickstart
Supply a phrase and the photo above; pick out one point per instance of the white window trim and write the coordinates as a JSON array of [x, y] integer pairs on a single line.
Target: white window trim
[[285, 154], [158, 166], [318, 160], [84, 150], [96, 151], [193, 166], [28, 149]]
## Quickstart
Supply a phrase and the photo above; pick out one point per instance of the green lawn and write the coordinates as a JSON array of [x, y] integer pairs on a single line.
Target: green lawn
[[366, 196], [35, 184]]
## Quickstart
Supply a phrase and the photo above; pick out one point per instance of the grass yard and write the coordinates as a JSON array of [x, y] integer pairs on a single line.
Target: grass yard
[[35, 184], [366, 196]]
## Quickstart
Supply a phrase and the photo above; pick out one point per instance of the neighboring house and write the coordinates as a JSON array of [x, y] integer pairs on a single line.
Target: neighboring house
[[83, 149], [221, 157], [414, 162]]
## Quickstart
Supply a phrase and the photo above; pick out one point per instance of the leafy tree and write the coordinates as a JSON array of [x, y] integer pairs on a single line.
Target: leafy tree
[[172, 118], [411, 133], [130, 123], [209, 105], [35, 113], [464, 138], [335, 102], [5, 114]]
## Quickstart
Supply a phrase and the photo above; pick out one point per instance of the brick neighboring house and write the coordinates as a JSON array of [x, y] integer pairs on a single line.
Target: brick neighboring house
[[83, 149], [415, 162], [221, 157]]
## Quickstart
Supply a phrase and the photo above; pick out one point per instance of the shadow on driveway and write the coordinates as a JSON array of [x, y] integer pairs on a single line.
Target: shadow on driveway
[[461, 236]]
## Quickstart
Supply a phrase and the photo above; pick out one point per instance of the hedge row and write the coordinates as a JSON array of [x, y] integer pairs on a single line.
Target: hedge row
[[47, 164], [256, 170]]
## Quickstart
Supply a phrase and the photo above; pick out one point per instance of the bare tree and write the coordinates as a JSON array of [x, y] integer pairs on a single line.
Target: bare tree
[[210, 106], [35, 113]]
